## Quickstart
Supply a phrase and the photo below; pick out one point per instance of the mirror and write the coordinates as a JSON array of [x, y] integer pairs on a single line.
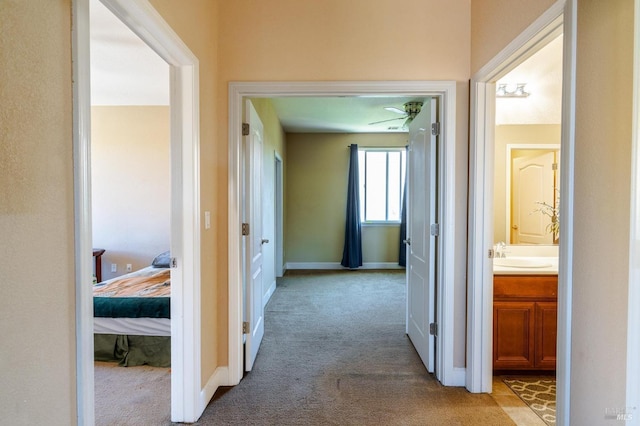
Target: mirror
[[527, 196]]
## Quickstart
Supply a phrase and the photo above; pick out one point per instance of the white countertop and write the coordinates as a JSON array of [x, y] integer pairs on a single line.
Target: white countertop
[[525, 265]]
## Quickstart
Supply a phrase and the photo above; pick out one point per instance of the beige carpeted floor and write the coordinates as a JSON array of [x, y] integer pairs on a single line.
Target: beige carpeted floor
[[132, 396], [335, 352]]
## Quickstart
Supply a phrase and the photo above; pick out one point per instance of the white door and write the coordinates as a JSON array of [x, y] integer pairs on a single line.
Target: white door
[[421, 214], [533, 181], [253, 289]]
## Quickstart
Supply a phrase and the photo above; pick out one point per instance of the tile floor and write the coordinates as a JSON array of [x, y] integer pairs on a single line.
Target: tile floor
[[513, 406]]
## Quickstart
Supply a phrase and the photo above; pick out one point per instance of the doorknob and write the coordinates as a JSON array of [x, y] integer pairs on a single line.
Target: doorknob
[[407, 241], [514, 227], [264, 241]]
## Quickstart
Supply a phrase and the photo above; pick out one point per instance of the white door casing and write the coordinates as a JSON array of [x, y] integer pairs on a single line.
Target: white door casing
[[268, 224], [421, 247], [279, 219], [446, 92], [254, 314]]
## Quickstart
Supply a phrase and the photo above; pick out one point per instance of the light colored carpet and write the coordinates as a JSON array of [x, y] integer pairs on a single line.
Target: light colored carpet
[[335, 352], [132, 396]]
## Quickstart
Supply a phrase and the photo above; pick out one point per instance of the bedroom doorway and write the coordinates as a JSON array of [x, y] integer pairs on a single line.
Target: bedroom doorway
[[147, 24], [131, 220], [445, 91]]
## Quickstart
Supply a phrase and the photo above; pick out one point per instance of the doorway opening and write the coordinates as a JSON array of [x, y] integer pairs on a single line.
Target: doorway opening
[[238, 93], [481, 314], [131, 209]]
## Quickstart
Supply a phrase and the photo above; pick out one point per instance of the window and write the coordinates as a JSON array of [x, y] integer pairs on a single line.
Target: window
[[382, 174]]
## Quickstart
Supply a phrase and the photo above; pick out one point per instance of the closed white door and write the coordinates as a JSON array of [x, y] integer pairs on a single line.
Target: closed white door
[[253, 288], [532, 182], [421, 214]]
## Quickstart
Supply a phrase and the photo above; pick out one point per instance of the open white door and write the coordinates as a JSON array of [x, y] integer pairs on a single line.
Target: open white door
[[421, 214], [254, 311]]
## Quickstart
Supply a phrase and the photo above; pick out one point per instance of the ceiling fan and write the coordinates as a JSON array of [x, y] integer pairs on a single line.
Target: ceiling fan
[[411, 109]]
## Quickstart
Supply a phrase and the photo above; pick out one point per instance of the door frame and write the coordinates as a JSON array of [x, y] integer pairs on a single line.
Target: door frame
[[559, 18], [633, 322], [446, 90], [148, 24], [279, 213]]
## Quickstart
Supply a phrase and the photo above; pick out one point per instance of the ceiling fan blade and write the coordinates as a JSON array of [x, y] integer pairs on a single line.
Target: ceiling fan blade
[[384, 121], [396, 110]]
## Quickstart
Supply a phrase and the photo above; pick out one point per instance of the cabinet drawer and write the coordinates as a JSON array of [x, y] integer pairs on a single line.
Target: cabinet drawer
[[525, 287]]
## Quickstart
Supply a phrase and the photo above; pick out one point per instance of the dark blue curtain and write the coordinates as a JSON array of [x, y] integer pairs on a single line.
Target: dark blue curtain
[[402, 255], [352, 253]]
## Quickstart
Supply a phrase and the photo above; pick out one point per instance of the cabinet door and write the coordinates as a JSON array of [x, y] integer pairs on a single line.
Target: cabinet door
[[513, 338], [546, 334]]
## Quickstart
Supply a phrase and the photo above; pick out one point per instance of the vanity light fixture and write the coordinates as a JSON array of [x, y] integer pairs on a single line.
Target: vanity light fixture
[[503, 91]]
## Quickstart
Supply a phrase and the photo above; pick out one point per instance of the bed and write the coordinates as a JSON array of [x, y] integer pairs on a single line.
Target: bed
[[132, 316]]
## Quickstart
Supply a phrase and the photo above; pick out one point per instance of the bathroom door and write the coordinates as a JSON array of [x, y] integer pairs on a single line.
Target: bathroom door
[[421, 214], [533, 181]]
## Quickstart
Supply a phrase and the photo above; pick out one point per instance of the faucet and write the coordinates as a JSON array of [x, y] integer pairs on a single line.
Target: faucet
[[501, 250]]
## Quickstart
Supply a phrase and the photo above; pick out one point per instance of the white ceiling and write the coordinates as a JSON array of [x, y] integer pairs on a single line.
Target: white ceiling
[[125, 71], [342, 114], [542, 74]]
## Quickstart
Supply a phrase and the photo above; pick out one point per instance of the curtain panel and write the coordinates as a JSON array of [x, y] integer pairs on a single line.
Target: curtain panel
[[352, 253]]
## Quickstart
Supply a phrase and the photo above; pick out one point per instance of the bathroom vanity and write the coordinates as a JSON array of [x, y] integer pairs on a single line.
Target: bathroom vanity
[[525, 315]]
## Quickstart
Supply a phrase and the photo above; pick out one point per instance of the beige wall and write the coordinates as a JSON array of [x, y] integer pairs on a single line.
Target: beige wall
[[37, 297], [130, 184], [542, 134], [601, 211], [495, 23], [316, 185]]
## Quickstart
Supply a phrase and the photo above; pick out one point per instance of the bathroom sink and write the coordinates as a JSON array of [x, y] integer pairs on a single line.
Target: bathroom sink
[[521, 263]]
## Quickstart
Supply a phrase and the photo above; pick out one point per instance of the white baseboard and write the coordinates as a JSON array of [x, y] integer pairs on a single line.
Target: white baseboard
[[220, 377], [269, 293], [338, 266]]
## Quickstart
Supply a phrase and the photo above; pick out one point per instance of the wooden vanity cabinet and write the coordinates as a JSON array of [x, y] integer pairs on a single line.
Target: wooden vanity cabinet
[[525, 322]]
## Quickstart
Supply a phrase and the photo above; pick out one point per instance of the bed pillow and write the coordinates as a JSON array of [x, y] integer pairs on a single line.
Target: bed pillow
[[163, 260]]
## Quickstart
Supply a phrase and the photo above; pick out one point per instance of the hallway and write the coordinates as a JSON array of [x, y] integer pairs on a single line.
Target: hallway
[[335, 352]]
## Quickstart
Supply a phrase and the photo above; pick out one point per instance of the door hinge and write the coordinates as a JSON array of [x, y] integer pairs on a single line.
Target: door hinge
[[245, 129], [174, 262], [435, 129], [245, 229], [491, 254], [245, 327], [433, 329], [435, 229], [554, 166]]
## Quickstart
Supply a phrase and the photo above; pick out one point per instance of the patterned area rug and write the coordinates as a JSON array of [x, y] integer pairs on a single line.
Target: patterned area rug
[[538, 393]]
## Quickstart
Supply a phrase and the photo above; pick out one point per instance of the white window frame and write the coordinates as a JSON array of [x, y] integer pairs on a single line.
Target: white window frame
[[363, 197]]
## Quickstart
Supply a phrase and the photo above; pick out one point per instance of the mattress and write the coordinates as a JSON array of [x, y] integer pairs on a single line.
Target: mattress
[[137, 303]]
